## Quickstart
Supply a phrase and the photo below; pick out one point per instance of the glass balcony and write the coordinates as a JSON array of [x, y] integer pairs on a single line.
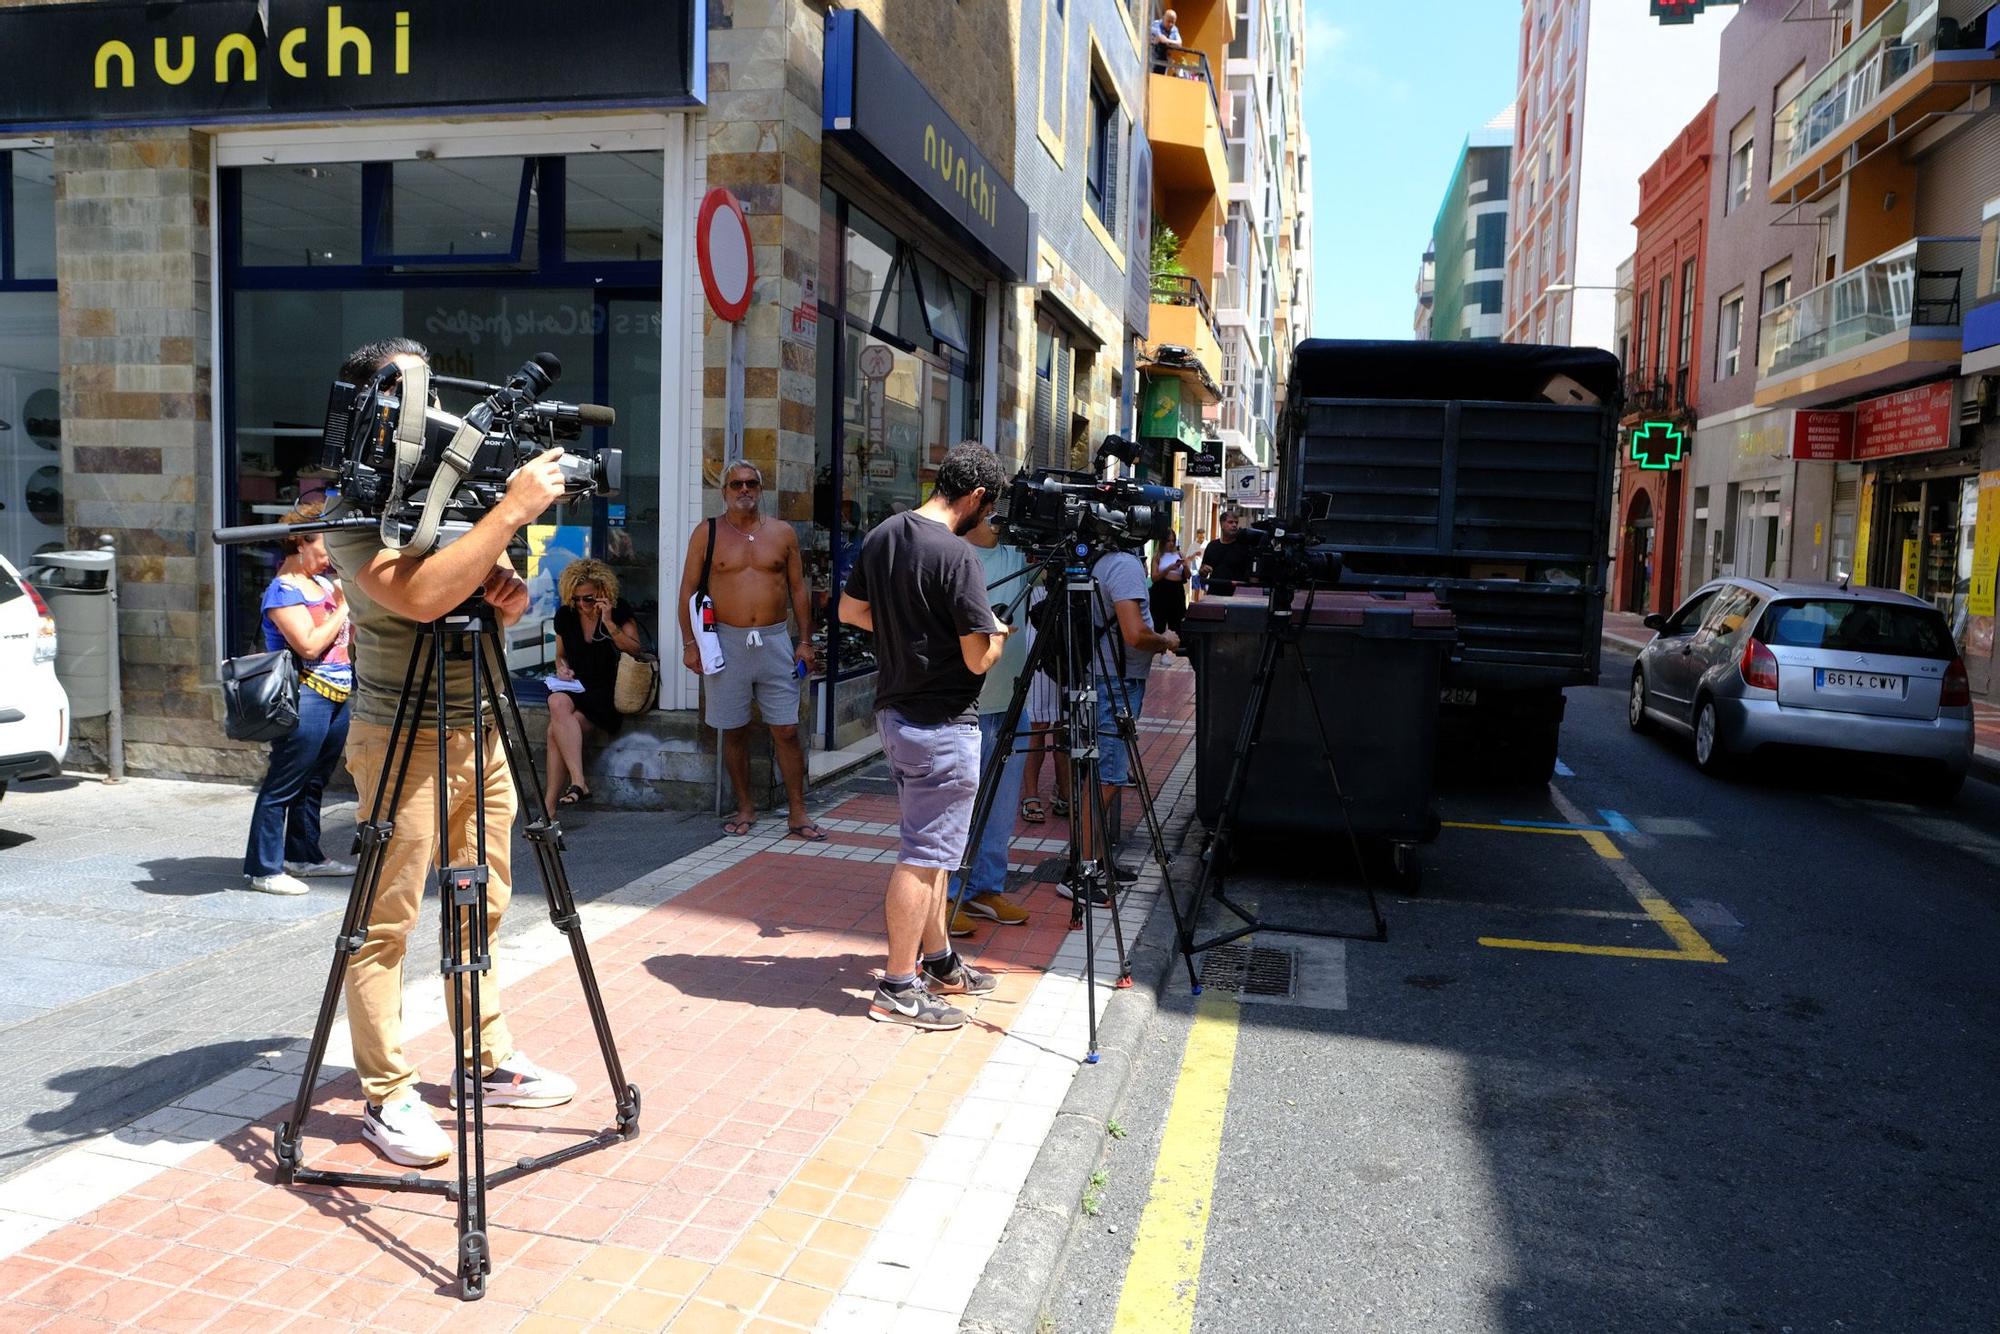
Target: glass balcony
[[1854, 80], [1920, 283]]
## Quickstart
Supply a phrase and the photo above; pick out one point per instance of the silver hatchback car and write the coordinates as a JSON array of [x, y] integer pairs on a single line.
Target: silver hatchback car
[[1746, 663]]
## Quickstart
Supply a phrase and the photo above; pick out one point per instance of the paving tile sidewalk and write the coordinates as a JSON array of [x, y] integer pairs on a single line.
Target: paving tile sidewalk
[[1626, 630], [798, 1166]]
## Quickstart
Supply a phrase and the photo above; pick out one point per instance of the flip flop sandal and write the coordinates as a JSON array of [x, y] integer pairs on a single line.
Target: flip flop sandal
[[809, 832], [1060, 808], [572, 796], [1033, 811], [738, 828]]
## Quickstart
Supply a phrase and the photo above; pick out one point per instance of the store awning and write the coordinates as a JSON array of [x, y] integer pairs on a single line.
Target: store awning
[[1190, 371]]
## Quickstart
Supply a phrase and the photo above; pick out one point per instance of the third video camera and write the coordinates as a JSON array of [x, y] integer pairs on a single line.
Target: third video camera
[[1286, 555]]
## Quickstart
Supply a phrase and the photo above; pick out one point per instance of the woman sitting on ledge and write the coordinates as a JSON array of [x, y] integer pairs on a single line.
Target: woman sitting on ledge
[[592, 626]]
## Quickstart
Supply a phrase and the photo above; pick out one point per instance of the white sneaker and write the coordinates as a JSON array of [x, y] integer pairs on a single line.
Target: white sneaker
[[406, 1132], [519, 1082], [281, 883], [328, 869]]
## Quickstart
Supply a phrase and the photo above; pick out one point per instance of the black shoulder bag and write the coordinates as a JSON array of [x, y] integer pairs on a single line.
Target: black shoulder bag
[[260, 696]]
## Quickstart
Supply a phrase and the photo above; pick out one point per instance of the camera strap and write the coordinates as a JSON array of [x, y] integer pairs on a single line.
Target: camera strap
[[453, 463]]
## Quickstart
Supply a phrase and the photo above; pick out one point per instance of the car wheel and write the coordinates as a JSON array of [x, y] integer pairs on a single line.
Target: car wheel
[[1635, 707], [1709, 755]]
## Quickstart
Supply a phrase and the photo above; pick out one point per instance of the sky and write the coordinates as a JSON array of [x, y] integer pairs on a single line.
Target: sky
[[1389, 99]]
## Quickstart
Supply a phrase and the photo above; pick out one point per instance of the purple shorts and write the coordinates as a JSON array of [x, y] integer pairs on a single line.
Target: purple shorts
[[937, 776]]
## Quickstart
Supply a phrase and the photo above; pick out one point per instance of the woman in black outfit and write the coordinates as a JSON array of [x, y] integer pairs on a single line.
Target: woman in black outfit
[[1169, 589], [593, 626]]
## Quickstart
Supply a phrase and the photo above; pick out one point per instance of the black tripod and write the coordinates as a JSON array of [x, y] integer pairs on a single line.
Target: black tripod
[[468, 635], [1065, 648], [1283, 628]]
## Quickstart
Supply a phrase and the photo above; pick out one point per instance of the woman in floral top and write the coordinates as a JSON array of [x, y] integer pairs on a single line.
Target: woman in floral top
[[305, 611]]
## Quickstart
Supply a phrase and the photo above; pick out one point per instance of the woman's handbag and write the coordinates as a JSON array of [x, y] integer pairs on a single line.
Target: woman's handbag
[[638, 684], [260, 695]]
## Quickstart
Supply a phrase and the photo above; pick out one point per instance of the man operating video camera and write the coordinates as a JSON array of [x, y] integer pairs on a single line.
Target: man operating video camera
[[391, 594], [1127, 642]]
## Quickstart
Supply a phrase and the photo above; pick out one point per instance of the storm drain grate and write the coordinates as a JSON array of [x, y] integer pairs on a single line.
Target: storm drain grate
[[1248, 970]]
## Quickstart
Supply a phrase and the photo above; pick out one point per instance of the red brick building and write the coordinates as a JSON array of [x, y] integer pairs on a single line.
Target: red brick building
[[1663, 370]]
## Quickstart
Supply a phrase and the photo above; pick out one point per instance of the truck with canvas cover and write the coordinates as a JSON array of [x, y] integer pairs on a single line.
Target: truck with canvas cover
[[1480, 473]]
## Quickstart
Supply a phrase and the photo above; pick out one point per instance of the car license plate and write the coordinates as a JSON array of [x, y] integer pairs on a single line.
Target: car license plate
[[1857, 683], [1458, 695]]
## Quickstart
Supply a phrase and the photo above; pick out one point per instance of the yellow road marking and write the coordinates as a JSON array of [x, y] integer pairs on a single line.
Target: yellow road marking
[[1689, 944], [1158, 1296]]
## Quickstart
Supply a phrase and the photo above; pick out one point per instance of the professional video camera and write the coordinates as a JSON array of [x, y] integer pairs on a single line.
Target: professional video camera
[[382, 452], [1052, 507], [1285, 555]]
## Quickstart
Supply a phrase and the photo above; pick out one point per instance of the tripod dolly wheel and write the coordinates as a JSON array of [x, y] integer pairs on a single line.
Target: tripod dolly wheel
[[285, 1148], [474, 1264], [628, 1112]]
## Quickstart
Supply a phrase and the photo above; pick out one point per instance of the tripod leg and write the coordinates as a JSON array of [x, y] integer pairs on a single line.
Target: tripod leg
[[372, 837], [545, 837], [1216, 848]]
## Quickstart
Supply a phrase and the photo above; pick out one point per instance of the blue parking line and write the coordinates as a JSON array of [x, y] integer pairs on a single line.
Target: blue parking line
[[1621, 828], [1617, 823], [1564, 771]]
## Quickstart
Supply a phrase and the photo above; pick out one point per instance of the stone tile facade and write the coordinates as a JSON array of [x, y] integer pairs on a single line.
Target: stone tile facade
[[133, 291]]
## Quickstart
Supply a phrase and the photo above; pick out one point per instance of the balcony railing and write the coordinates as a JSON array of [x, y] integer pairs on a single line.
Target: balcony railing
[[1853, 81], [1656, 396], [1181, 289], [1920, 283], [1178, 62]]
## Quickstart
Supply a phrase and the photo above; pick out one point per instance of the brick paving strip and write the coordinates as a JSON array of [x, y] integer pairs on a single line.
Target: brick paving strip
[[798, 1166]]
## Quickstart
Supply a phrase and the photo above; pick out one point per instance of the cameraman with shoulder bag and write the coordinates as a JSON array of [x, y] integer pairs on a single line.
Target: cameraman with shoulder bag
[[391, 594], [1126, 645]]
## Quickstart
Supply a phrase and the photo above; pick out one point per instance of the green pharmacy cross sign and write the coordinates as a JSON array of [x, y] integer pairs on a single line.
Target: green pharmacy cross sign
[[1658, 446]]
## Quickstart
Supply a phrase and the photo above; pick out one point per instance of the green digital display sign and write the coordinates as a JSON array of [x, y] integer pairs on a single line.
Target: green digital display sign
[[1658, 446]]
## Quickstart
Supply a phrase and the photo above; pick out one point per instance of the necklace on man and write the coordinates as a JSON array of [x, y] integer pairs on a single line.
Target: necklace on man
[[752, 534]]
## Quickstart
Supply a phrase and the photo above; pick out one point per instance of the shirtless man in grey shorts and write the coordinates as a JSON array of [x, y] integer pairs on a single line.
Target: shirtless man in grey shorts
[[754, 576]]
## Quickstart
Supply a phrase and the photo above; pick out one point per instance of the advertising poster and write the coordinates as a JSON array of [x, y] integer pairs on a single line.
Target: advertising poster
[[1985, 546]]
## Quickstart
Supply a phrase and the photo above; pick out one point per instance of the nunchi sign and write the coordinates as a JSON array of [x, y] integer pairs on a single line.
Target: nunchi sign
[[206, 61]]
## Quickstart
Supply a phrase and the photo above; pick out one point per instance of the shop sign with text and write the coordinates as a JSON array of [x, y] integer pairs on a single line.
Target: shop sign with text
[[1823, 437], [1914, 421], [242, 60]]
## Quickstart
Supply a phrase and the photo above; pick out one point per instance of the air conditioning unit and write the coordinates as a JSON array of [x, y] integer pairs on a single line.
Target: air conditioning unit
[[1979, 398]]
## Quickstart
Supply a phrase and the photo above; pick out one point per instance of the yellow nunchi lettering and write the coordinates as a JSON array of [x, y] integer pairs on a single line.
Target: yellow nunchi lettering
[[402, 41], [242, 45], [109, 52], [173, 73], [288, 53], [340, 36]]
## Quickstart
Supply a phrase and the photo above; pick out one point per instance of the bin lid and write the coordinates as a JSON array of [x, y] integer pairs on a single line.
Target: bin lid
[[72, 570], [1375, 613]]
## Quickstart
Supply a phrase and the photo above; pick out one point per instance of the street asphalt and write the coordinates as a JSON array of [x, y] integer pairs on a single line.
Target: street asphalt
[[135, 966], [1437, 1134]]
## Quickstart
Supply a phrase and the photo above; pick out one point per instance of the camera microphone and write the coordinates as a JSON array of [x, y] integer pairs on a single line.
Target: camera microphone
[[579, 414], [536, 375]]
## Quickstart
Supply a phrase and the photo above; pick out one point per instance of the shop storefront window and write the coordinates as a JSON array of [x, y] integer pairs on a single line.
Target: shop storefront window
[[897, 386], [308, 277], [31, 478]]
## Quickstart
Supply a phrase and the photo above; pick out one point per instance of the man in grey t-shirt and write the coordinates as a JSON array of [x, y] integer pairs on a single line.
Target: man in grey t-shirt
[[1126, 643]]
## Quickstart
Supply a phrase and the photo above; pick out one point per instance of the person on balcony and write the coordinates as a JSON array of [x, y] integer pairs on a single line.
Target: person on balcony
[[1166, 30]]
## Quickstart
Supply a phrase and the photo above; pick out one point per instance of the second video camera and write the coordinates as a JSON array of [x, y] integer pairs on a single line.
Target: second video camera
[[1051, 507]]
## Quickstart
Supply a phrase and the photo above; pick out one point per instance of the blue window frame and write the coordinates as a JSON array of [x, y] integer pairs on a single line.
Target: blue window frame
[[22, 266], [329, 237]]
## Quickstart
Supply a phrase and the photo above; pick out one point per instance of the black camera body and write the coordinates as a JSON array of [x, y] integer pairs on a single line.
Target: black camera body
[[1051, 507], [1285, 555], [359, 446]]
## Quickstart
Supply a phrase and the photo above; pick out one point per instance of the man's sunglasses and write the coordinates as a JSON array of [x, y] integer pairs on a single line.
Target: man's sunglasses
[[743, 484]]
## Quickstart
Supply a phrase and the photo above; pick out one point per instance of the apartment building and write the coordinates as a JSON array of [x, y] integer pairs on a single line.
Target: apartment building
[[1420, 323], [1082, 162], [1661, 352], [1856, 442], [1576, 172], [1469, 237]]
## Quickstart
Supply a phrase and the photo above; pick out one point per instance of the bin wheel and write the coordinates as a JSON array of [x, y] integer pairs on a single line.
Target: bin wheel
[[1406, 871]]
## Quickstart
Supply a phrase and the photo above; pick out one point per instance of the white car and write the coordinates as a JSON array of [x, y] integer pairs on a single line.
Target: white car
[[34, 711]]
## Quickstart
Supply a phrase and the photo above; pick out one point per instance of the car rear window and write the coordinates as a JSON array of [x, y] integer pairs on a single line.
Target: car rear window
[[1849, 625]]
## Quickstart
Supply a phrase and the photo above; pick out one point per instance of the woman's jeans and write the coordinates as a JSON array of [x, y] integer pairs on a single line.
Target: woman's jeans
[[285, 825]]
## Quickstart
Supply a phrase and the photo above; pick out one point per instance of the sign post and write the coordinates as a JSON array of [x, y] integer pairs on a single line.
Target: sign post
[[728, 274]]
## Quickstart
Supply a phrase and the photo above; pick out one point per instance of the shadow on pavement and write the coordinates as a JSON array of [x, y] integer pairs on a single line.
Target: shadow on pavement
[[183, 877], [105, 1097], [825, 982]]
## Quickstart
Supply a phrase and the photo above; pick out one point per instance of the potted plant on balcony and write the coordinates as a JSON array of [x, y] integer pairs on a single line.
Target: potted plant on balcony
[[1165, 262]]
